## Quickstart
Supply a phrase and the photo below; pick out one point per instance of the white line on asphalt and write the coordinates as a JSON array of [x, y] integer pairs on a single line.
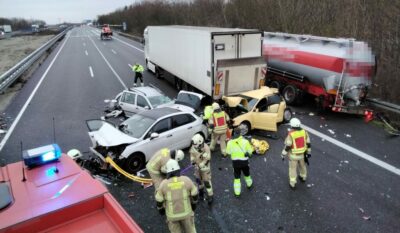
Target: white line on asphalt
[[91, 71], [130, 65], [28, 101], [86, 53], [112, 50], [353, 150], [84, 44], [128, 44], [115, 73]]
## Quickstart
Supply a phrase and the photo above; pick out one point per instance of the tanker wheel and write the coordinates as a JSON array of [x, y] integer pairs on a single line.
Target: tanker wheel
[[290, 94], [275, 84]]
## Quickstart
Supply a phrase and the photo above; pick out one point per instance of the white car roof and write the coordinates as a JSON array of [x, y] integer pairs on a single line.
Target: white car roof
[[147, 91]]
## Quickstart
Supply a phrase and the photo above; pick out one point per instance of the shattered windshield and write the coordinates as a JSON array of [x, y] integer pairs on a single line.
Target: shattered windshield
[[136, 125], [188, 100], [250, 102], [159, 100]]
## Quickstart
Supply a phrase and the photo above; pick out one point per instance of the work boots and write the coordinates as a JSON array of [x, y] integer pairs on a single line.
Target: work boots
[[210, 199]]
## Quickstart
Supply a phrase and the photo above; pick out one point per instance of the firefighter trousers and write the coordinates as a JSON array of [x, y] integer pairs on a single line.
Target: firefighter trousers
[[182, 226], [156, 179], [294, 162], [204, 178], [222, 142]]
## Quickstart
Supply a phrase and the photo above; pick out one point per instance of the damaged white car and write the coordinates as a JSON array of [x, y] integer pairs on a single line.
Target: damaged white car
[[137, 139]]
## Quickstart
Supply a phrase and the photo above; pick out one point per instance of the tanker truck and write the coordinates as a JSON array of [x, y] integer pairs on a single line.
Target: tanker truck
[[337, 72]]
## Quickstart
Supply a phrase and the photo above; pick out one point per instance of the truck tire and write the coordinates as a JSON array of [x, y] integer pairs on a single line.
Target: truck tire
[[134, 163], [158, 73], [275, 84], [290, 94]]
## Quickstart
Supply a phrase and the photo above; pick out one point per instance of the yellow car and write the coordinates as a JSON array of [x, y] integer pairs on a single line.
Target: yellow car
[[261, 109]]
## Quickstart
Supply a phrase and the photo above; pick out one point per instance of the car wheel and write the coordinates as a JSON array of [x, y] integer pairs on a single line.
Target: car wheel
[[287, 115], [290, 94], [246, 127], [134, 163]]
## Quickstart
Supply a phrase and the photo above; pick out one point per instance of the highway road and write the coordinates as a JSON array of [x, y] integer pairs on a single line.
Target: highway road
[[353, 183]]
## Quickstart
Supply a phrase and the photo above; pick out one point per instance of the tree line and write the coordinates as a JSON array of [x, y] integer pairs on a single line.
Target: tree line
[[376, 22], [20, 24]]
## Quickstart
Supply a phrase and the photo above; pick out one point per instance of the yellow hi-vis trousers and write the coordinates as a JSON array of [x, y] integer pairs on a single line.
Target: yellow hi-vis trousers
[[186, 225], [294, 161]]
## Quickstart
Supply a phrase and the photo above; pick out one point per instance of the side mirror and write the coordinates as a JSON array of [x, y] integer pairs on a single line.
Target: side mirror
[[153, 135], [107, 101], [147, 107]]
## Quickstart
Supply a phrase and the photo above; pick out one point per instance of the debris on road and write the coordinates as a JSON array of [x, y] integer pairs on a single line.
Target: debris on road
[[310, 185], [3, 131], [361, 210], [347, 135], [102, 179], [131, 195], [311, 114], [367, 218], [337, 171], [350, 194], [331, 131], [346, 161]]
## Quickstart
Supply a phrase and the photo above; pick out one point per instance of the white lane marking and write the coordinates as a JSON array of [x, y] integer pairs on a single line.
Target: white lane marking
[[28, 101], [91, 71], [128, 44], [86, 53], [112, 50], [84, 44], [353, 150], [130, 65], [115, 73]]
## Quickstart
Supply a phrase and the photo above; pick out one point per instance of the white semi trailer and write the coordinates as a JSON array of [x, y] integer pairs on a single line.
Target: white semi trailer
[[215, 61]]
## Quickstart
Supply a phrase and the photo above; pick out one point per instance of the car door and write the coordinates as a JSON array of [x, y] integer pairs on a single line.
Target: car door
[[182, 129], [142, 103], [261, 118], [164, 139], [127, 102]]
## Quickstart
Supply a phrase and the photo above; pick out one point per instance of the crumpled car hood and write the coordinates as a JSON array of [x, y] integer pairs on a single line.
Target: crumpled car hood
[[108, 135], [232, 101]]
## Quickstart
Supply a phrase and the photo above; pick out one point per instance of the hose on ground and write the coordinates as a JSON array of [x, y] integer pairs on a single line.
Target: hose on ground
[[126, 174]]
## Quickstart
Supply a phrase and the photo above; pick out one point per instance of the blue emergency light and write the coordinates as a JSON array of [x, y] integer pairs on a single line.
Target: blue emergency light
[[41, 155]]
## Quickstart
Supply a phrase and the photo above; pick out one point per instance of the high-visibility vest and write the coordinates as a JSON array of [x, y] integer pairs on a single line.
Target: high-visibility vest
[[208, 111], [138, 68], [299, 145], [238, 147], [219, 120]]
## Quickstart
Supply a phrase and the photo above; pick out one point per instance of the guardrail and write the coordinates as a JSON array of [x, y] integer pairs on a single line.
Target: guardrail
[[135, 38], [384, 105], [10, 76]]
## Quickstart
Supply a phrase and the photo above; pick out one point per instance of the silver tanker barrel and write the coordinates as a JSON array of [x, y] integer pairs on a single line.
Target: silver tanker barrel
[[340, 66]]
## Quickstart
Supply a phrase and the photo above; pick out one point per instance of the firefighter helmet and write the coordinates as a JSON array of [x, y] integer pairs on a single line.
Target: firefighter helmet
[[295, 123], [74, 154], [215, 106], [172, 165], [177, 155], [198, 141]]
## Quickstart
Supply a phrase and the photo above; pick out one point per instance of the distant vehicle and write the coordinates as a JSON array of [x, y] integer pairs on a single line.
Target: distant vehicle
[[337, 71], [137, 139], [63, 200], [258, 109], [35, 27], [6, 28], [138, 99], [106, 32], [214, 61]]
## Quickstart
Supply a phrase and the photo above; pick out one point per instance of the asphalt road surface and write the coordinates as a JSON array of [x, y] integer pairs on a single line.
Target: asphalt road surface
[[353, 183]]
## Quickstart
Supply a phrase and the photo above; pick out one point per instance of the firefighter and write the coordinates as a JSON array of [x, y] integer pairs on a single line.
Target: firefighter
[[298, 150], [200, 157], [177, 197], [219, 125], [138, 69], [240, 149], [156, 165]]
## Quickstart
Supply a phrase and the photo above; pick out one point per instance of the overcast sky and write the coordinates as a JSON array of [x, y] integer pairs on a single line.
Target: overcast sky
[[57, 11]]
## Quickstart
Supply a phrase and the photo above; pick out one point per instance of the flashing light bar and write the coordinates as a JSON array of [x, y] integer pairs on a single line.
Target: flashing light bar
[[41, 155]]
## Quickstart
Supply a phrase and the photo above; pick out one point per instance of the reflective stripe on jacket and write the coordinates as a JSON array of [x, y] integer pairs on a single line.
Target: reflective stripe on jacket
[[158, 161], [238, 147], [299, 145], [176, 194]]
